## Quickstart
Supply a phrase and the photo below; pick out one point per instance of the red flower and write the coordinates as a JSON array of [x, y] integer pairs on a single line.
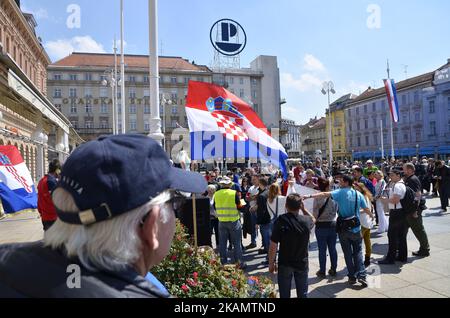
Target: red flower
[[173, 258], [234, 283], [185, 288], [195, 275]]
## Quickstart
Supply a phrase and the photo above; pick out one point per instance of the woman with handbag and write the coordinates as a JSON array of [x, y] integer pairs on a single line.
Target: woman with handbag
[[325, 211]]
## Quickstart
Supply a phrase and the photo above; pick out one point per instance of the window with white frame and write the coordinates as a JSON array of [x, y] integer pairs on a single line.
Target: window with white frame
[[241, 80], [88, 92], [173, 80], [73, 107], [88, 124], [88, 77], [132, 109], [73, 77], [146, 109], [132, 93], [146, 92], [88, 107], [133, 125], [104, 123], [241, 93], [72, 92], [57, 93], [103, 108], [57, 77], [146, 126]]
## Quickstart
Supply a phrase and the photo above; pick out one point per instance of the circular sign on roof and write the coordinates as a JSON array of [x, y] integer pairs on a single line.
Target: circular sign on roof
[[228, 37]]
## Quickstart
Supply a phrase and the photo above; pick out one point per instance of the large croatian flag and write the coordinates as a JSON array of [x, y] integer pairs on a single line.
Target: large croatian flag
[[17, 191], [391, 92], [223, 126]]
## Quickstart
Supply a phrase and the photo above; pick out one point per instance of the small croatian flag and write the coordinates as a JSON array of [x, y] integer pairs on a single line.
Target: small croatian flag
[[17, 191], [391, 92]]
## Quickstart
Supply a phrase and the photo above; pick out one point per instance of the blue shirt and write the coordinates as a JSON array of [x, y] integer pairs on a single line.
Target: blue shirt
[[345, 198], [368, 184]]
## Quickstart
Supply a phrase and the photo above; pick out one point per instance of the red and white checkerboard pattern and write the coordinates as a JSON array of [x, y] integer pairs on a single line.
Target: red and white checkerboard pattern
[[230, 127]]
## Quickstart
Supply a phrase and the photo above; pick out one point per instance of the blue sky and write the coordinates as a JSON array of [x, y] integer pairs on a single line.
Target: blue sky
[[344, 41]]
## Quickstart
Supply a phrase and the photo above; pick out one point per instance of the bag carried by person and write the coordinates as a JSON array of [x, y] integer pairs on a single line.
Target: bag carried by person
[[409, 203], [349, 224]]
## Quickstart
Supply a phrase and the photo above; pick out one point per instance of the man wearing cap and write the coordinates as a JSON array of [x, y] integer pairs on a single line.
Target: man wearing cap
[[115, 222], [398, 226], [227, 204], [370, 167]]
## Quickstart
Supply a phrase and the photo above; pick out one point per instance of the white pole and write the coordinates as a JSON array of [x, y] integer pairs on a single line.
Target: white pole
[[122, 71], [330, 134], [155, 124], [392, 140], [382, 139], [116, 106]]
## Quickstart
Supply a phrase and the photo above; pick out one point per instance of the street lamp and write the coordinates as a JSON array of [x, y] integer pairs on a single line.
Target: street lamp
[[327, 88], [417, 151], [164, 102], [112, 82]]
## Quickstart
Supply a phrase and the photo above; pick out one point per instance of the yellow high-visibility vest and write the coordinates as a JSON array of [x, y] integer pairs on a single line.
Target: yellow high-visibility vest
[[225, 201]]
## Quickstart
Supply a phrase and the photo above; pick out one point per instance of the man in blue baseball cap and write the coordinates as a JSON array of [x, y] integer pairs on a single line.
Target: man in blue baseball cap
[[115, 205]]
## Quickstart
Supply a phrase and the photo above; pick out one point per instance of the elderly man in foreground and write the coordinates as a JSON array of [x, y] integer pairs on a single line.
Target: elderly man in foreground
[[115, 222]]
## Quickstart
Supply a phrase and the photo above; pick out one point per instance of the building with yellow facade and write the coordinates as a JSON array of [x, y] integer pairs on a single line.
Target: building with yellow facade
[[338, 127]]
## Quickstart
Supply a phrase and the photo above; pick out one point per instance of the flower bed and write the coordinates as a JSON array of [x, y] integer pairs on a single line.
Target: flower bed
[[187, 274]]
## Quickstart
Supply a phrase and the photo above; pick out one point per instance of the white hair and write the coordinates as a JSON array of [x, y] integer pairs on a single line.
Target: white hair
[[109, 245]]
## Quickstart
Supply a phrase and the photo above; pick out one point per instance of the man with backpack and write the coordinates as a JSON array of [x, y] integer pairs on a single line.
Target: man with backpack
[[414, 216], [398, 199]]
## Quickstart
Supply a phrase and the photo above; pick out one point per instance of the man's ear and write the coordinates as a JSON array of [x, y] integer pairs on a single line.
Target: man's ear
[[150, 229]]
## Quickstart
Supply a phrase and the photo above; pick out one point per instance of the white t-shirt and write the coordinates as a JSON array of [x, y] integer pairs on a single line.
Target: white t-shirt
[[272, 207], [366, 220], [254, 190], [399, 189]]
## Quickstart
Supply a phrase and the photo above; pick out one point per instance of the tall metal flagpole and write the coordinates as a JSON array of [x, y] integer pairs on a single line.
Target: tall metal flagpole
[[155, 123], [382, 139], [122, 72], [114, 81], [392, 120]]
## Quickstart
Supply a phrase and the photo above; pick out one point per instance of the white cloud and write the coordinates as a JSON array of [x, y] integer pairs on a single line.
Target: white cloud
[[356, 88], [306, 82], [313, 64], [63, 47]]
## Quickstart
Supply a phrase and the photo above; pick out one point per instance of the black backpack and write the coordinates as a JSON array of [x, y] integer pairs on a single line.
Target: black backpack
[[409, 203]]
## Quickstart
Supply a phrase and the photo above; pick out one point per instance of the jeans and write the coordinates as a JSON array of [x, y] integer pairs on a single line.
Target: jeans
[[398, 230], [327, 237], [230, 231], [266, 232], [416, 225], [351, 244], [285, 274]]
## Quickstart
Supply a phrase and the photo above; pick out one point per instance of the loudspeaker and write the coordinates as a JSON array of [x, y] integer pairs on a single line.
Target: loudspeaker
[[203, 220]]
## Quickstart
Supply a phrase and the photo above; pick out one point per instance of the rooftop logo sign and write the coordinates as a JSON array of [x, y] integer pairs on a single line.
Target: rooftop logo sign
[[228, 37]]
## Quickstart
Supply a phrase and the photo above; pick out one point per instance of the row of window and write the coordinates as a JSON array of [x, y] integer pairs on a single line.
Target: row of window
[[104, 124], [376, 121], [104, 109], [253, 81], [104, 93], [131, 78]]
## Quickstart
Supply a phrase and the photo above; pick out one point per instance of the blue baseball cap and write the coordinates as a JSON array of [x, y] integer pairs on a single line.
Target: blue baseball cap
[[115, 174]]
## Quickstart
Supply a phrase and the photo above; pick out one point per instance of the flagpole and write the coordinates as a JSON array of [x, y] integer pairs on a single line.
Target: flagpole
[[194, 221], [122, 71], [392, 139], [155, 121], [382, 139]]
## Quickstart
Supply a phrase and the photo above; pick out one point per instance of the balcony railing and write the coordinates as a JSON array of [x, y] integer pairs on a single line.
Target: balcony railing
[[94, 131]]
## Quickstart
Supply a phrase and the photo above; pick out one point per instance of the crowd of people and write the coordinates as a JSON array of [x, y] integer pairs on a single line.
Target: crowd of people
[[352, 200], [126, 185]]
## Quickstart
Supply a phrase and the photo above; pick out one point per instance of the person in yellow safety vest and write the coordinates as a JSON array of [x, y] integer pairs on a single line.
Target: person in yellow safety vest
[[227, 204]]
